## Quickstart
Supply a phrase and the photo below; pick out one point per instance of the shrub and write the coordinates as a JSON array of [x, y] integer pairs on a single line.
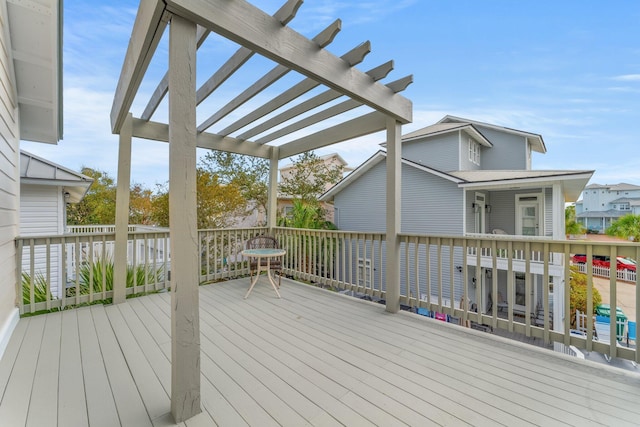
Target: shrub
[[98, 276], [578, 294], [39, 288]]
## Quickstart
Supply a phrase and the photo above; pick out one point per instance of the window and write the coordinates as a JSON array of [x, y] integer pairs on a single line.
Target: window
[[364, 272], [474, 152]]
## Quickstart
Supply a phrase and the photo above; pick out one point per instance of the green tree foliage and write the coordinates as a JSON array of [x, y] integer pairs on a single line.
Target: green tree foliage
[[578, 294], [626, 227], [306, 215], [98, 205], [218, 205], [571, 225], [310, 177], [248, 174]]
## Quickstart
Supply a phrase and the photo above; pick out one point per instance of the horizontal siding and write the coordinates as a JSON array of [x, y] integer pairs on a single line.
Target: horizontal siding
[[362, 204], [9, 175], [440, 152], [40, 210], [508, 152]]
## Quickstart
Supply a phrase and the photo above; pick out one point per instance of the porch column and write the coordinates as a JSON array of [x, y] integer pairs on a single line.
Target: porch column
[[558, 212], [122, 213], [394, 210], [185, 321], [272, 208]]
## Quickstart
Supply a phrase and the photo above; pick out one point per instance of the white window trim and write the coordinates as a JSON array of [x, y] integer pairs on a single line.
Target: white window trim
[[474, 152]]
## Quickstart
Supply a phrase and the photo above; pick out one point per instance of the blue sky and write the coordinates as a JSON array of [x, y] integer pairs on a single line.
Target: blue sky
[[568, 70]]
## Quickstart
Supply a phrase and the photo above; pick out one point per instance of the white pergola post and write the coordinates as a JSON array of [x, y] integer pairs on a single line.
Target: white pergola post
[[394, 210], [272, 209], [559, 219], [185, 320], [122, 213]]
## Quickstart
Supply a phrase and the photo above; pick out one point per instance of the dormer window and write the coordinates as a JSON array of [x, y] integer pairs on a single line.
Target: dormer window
[[474, 152]]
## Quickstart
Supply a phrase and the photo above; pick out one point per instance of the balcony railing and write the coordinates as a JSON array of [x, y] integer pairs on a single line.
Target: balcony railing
[[439, 274], [60, 271]]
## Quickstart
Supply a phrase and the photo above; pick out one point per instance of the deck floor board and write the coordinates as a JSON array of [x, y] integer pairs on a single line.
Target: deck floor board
[[311, 358]]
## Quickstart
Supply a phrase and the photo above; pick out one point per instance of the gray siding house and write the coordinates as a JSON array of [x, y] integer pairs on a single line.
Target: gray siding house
[[466, 178]]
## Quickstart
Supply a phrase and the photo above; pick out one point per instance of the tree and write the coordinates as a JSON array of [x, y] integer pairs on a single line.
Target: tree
[[248, 174], [218, 205], [99, 204], [571, 225], [627, 227], [578, 294], [310, 177], [306, 215], [140, 206]]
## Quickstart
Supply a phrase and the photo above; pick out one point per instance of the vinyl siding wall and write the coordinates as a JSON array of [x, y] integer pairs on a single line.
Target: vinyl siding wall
[[440, 152], [41, 213], [9, 182], [509, 152], [431, 205]]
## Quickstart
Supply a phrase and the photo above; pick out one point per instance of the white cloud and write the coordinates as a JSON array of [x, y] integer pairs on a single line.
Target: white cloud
[[628, 78]]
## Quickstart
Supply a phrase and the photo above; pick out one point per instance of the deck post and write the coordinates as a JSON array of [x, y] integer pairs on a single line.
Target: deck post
[[272, 209], [185, 320], [122, 213], [394, 210]]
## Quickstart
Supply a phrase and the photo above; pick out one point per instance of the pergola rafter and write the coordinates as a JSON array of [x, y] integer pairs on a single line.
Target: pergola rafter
[[297, 125]]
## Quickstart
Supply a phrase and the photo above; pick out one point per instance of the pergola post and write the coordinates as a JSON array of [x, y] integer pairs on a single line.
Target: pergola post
[[272, 208], [394, 211], [122, 213], [185, 320]]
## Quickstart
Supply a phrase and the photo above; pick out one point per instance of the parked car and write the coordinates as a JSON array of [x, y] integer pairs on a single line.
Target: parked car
[[603, 261]]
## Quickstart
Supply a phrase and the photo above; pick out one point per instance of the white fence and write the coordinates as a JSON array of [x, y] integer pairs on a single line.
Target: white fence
[[624, 275]]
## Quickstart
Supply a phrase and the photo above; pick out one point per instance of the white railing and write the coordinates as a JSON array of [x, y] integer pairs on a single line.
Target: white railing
[[436, 273], [220, 252], [60, 271]]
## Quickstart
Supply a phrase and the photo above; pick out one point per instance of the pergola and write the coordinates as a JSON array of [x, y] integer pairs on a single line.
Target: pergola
[[263, 132]]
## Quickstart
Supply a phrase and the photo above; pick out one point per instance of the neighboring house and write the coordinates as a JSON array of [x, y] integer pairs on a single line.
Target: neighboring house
[[285, 201], [30, 109], [45, 190], [466, 178], [603, 204]]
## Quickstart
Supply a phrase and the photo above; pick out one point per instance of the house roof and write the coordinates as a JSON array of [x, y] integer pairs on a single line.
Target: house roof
[[611, 213], [35, 31], [443, 128], [536, 141], [38, 171], [633, 201], [325, 157], [573, 181], [613, 187]]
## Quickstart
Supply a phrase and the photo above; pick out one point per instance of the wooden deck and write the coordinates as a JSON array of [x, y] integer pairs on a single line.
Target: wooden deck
[[311, 358]]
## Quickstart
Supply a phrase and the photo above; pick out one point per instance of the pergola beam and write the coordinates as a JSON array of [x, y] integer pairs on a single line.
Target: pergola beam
[[343, 107], [300, 89], [364, 125], [160, 132], [148, 28], [376, 74], [163, 86], [323, 39], [285, 14], [248, 26]]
